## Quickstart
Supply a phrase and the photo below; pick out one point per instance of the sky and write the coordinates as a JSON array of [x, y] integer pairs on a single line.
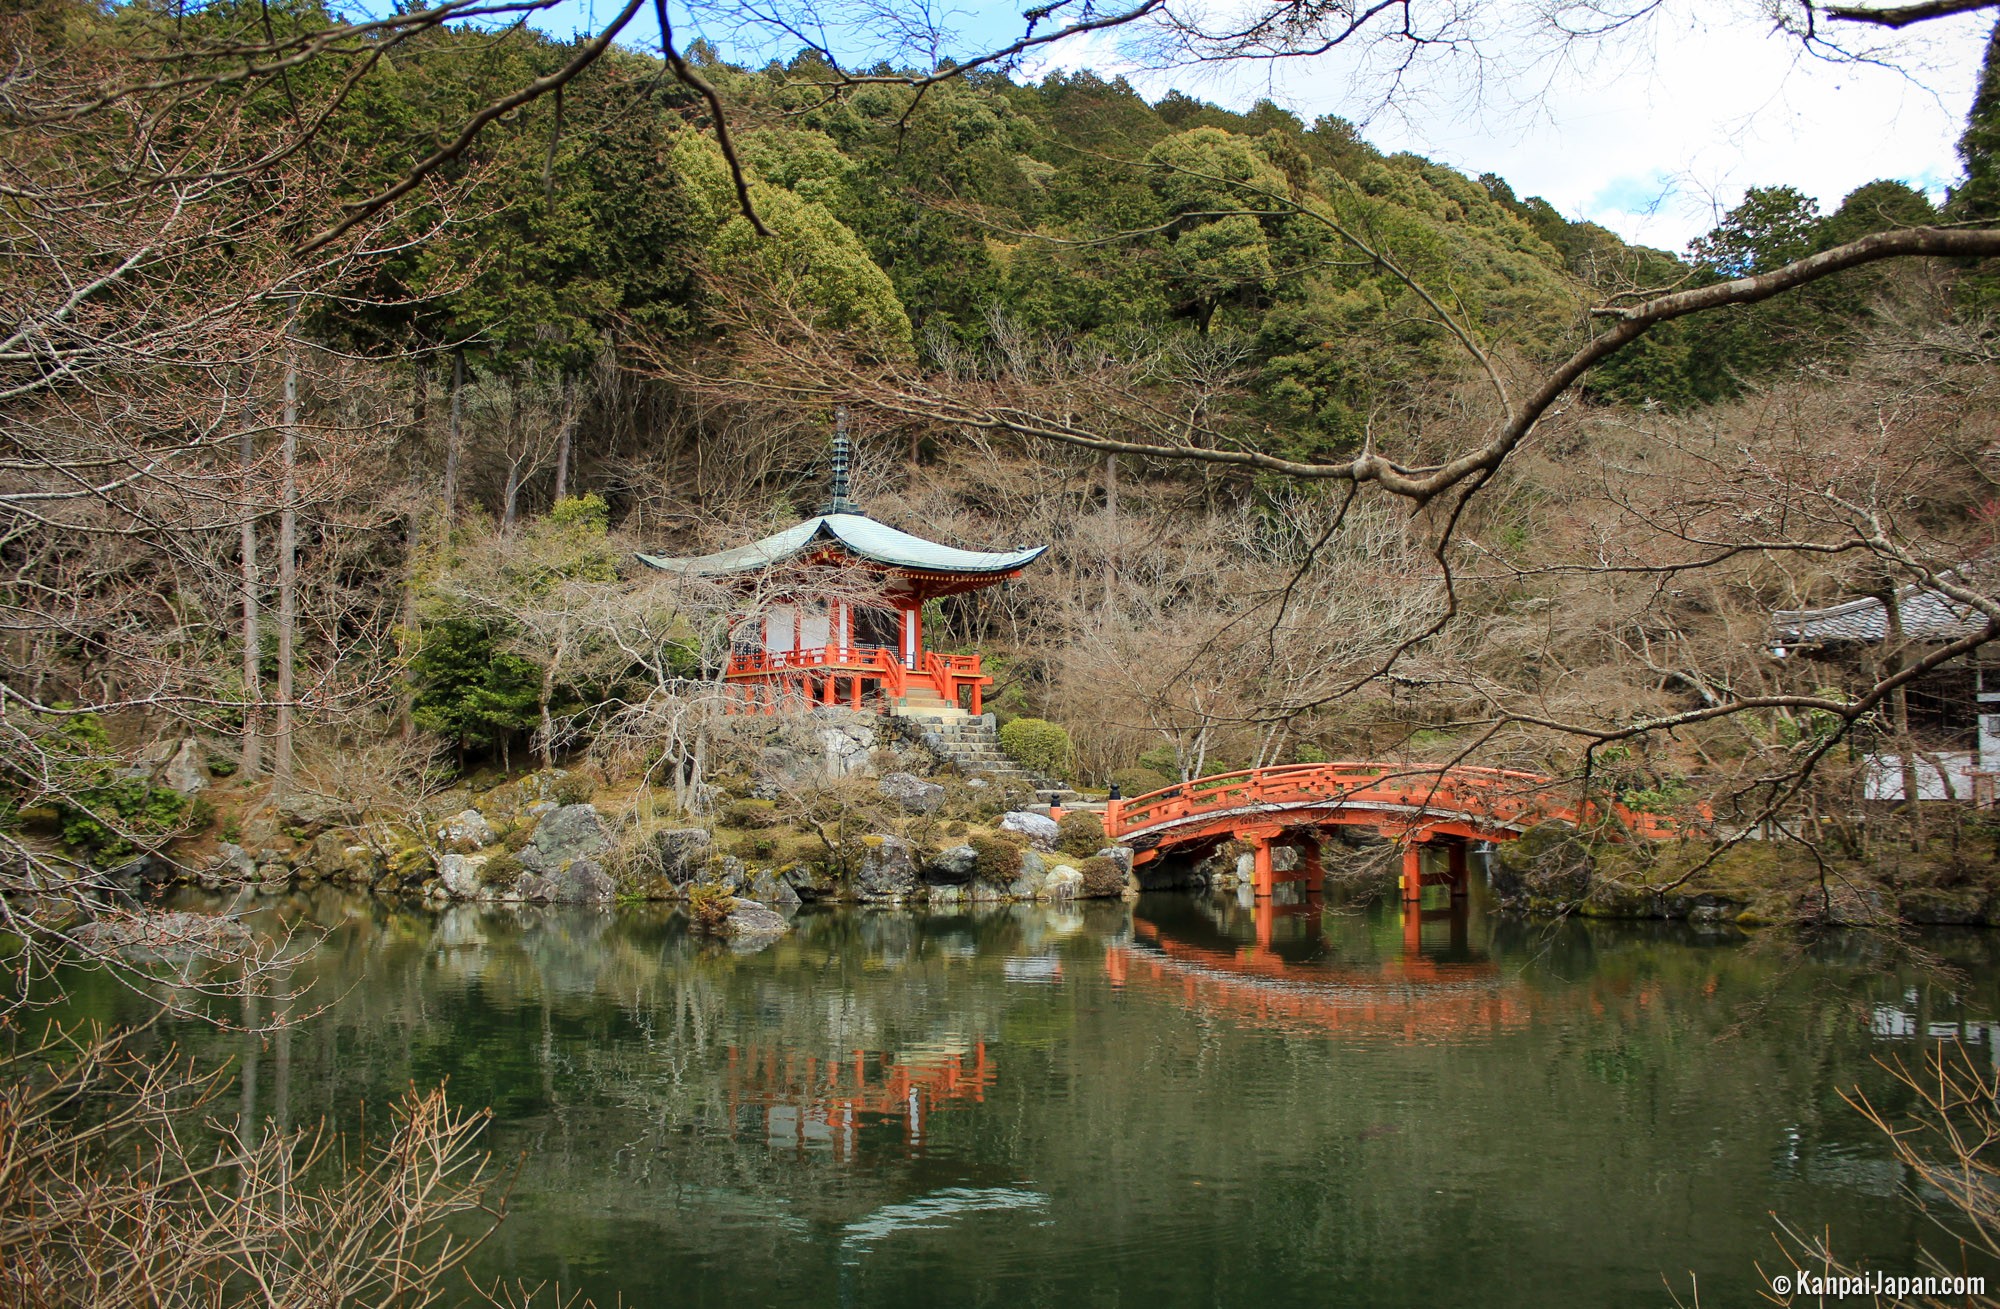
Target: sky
[[1654, 133]]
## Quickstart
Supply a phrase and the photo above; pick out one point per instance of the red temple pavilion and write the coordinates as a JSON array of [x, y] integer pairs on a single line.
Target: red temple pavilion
[[840, 613]]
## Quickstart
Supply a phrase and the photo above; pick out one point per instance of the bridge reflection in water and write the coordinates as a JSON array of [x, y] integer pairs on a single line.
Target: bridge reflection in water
[[1272, 965], [809, 1102]]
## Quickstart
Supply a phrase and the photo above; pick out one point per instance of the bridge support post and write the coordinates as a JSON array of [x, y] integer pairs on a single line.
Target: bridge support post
[[1263, 877], [1413, 873], [1315, 870]]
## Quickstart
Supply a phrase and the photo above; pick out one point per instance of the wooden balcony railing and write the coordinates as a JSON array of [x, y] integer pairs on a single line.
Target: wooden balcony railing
[[820, 666]]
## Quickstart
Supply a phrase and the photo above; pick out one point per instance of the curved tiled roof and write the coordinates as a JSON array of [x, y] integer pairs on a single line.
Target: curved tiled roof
[[1928, 615], [857, 534]]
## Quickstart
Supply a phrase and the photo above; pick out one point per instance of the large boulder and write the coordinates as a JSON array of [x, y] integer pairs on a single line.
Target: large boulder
[[676, 855], [186, 772], [234, 863], [751, 924], [510, 799], [336, 856], [466, 830], [952, 867], [581, 881], [1041, 830], [462, 875], [1062, 883], [888, 868], [173, 936], [575, 831], [1028, 882], [912, 792], [767, 888]]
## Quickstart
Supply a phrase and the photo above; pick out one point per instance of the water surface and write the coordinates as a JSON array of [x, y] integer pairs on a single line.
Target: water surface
[[1177, 1102]]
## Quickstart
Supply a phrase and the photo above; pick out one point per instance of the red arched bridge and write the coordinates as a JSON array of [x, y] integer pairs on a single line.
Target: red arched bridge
[[1418, 805]]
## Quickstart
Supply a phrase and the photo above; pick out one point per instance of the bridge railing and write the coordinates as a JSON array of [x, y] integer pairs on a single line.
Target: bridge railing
[[1503, 797]]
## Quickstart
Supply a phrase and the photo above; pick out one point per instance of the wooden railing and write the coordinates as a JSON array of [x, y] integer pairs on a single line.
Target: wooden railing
[[1501, 798], [947, 672]]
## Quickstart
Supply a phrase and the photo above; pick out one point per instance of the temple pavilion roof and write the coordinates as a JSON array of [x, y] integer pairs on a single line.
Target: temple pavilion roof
[[1927, 615], [854, 534]]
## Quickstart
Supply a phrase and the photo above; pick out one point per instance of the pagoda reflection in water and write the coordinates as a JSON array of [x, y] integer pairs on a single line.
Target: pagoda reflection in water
[[809, 1102]]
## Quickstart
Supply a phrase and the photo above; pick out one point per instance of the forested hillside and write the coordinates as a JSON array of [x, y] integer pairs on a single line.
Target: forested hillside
[[349, 461]]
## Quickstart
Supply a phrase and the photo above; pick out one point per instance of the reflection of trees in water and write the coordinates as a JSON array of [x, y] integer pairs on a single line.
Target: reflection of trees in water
[[603, 1041]]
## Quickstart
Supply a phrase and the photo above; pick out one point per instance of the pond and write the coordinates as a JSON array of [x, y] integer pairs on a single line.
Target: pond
[[1170, 1102]]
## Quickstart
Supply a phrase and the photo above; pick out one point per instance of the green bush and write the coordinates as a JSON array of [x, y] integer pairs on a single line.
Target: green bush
[[572, 788], [1080, 833], [91, 817], [1138, 781], [709, 906], [1041, 746], [500, 870], [1102, 876], [751, 815], [517, 837], [996, 861]]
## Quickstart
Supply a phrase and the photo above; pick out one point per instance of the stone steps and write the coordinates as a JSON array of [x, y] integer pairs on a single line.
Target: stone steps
[[973, 744]]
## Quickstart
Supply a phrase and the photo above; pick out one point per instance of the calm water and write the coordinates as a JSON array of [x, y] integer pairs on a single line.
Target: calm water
[[1160, 1104]]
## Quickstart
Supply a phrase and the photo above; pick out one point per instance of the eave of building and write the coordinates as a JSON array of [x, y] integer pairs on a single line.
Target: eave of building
[[1925, 614], [864, 540]]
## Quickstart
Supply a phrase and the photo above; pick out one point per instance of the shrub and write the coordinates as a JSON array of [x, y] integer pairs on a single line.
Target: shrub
[[751, 815], [1138, 781], [517, 837], [996, 861], [1080, 833], [709, 906], [572, 788], [1102, 876], [1041, 746], [500, 870], [92, 816]]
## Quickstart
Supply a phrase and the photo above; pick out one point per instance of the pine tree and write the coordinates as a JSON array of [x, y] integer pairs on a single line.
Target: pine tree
[[1978, 197]]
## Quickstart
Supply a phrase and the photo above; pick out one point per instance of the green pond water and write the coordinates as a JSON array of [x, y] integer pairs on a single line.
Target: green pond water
[[1153, 1104]]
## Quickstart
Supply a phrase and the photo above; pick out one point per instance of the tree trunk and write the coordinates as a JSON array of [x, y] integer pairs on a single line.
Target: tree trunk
[[1899, 710], [1110, 530], [253, 680], [511, 501], [451, 439], [562, 457], [548, 723], [288, 563], [407, 636]]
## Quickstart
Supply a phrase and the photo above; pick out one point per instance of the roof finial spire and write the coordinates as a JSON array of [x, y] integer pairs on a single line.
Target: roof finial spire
[[838, 501]]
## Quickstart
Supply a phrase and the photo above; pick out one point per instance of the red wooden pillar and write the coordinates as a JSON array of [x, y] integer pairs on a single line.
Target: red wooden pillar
[[857, 690], [1413, 873], [1314, 869], [976, 710], [1460, 878], [832, 695], [1263, 880]]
